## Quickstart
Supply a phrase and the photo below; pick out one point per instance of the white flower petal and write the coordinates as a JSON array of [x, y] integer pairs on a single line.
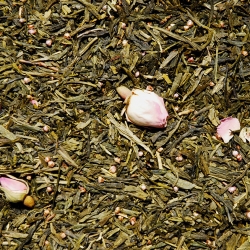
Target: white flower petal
[[245, 134]]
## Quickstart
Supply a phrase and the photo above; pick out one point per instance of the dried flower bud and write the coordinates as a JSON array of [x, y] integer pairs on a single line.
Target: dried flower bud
[[170, 26], [123, 25], [49, 42], [47, 159], [195, 214], [144, 108], [140, 153], [176, 189], [137, 73], [32, 31], [34, 103], [100, 84], [15, 189], [179, 158], [190, 59], [124, 42], [46, 128], [217, 136], [120, 218], [235, 153], [28, 177], [67, 36], [143, 186], [82, 189], [132, 220], [149, 88], [100, 179], [117, 210], [209, 242], [176, 95], [190, 23], [29, 97], [51, 164], [63, 235], [26, 80], [221, 24], [134, 175], [244, 53], [30, 26], [248, 214], [239, 157], [46, 243], [186, 27], [46, 212], [232, 189], [22, 20], [29, 201], [49, 189], [112, 169], [117, 160]]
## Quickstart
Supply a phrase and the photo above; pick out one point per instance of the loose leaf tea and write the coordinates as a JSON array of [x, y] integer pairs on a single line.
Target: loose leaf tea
[[96, 180]]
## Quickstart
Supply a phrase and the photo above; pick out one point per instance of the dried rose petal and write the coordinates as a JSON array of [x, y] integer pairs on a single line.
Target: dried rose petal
[[13, 185], [245, 134], [227, 125]]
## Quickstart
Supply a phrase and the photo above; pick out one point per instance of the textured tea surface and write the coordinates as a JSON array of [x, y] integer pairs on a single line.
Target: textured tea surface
[[98, 181]]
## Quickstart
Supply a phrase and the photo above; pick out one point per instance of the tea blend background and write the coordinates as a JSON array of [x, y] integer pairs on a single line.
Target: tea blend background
[[60, 62]]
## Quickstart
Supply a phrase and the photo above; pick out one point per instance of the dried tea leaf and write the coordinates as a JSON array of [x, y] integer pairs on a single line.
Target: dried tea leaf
[[244, 246], [82, 125], [19, 219], [66, 10], [170, 57], [194, 82], [54, 57], [67, 157], [180, 182], [126, 132], [122, 237], [176, 83], [218, 86], [239, 198], [135, 191], [7, 134], [13, 234], [72, 145], [213, 116]]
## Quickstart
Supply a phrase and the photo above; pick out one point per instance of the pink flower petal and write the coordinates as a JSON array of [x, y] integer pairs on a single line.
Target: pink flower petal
[[12, 184], [227, 125]]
